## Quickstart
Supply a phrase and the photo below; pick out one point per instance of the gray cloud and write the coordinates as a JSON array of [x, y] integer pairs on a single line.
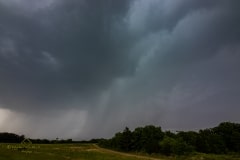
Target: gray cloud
[[167, 63], [76, 36]]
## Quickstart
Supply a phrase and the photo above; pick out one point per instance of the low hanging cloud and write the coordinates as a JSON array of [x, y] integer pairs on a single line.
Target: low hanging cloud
[[98, 66]]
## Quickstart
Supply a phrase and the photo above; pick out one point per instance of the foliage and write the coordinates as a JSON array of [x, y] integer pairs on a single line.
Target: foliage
[[10, 138], [141, 139], [225, 138], [171, 146]]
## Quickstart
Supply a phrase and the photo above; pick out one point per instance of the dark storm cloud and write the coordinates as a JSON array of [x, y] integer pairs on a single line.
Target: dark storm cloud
[[69, 47], [119, 63]]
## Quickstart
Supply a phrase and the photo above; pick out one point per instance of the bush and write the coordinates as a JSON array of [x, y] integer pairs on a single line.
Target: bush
[[174, 146]]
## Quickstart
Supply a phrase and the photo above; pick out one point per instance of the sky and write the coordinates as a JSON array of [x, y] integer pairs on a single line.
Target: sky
[[86, 69]]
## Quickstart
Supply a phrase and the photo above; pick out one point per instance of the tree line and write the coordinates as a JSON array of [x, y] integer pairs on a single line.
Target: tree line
[[11, 138], [6, 137], [222, 139]]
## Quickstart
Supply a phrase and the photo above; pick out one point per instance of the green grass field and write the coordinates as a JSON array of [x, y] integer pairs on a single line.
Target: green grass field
[[88, 152]]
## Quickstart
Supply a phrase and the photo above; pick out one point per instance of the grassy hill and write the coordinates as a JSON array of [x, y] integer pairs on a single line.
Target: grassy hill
[[87, 152]]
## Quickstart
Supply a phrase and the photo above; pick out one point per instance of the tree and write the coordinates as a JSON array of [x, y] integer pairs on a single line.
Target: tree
[[189, 137], [11, 138], [151, 136], [167, 145], [176, 146], [151, 139], [126, 140], [230, 134]]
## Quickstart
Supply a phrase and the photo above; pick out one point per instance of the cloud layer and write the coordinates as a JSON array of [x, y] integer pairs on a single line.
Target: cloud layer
[[89, 68]]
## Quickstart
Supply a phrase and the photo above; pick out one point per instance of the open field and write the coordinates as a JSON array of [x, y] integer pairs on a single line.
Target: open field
[[87, 152]]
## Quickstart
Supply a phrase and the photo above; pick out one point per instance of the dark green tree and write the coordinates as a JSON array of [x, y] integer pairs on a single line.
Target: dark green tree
[[230, 133], [151, 136], [125, 141], [175, 146], [167, 145]]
